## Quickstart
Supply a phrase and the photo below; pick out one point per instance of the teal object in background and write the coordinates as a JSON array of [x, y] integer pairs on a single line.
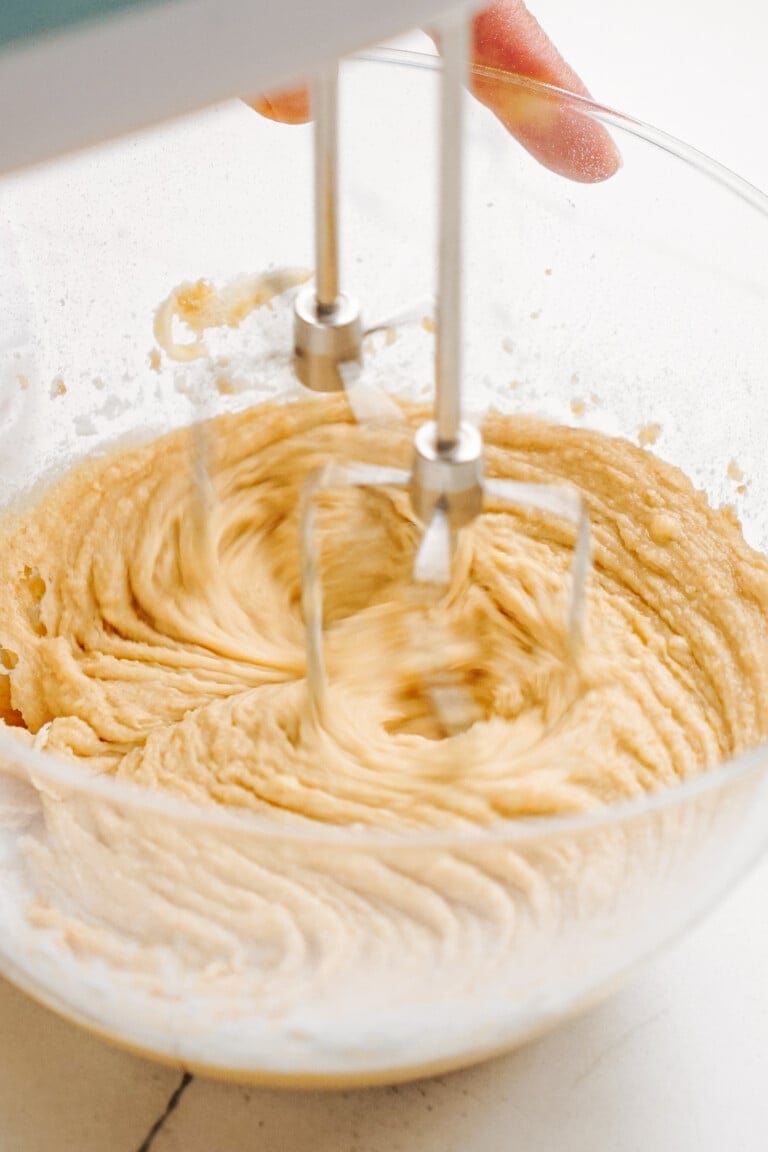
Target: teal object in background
[[20, 19]]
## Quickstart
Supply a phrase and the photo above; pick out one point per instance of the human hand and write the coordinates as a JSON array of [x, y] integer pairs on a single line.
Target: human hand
[[505, 36]]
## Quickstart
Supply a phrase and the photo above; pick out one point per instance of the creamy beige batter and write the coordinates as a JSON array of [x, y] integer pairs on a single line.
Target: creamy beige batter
[[164, 645]]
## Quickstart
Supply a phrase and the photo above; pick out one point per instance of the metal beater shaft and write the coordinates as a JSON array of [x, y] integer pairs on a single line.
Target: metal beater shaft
[[325, 106], [448, 347], [328, 330], [448, 454]]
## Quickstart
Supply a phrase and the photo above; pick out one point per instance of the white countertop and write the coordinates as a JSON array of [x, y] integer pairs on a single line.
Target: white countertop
[[678, 1060]]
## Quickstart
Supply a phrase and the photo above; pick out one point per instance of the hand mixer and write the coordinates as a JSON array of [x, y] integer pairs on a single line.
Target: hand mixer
[[209, 50], [446, 481], [75, 73]]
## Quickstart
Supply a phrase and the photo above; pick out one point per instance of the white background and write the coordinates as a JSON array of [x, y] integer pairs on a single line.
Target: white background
[[679, 1059]]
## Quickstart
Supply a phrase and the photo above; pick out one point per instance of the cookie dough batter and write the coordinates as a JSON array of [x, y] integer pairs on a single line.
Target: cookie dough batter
[[162, 642]]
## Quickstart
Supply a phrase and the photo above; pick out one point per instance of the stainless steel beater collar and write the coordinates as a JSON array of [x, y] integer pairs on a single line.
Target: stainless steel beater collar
[[325, 339], [449, 479]]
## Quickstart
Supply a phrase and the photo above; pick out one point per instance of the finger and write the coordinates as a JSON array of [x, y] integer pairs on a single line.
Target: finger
[[508, 38], [290, 106]]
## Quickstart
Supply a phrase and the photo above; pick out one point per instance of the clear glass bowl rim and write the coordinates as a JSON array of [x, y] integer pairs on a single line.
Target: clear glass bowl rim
[[31, 764]]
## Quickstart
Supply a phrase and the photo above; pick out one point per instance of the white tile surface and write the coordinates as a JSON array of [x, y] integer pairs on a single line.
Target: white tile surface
[[679, 1060], [61, 1089]]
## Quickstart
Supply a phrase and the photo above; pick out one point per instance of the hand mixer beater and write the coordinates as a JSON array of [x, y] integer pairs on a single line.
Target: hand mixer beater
[[446, 483]]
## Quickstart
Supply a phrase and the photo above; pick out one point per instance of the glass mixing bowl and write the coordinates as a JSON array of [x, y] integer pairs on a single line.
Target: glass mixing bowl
[[209, 937]]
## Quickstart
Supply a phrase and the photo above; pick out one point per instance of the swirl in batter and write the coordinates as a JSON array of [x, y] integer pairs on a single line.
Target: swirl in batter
[[166, 646]]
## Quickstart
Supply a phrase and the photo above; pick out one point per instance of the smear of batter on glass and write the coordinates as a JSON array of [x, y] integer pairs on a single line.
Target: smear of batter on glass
[[648, 435], [200, 305]]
